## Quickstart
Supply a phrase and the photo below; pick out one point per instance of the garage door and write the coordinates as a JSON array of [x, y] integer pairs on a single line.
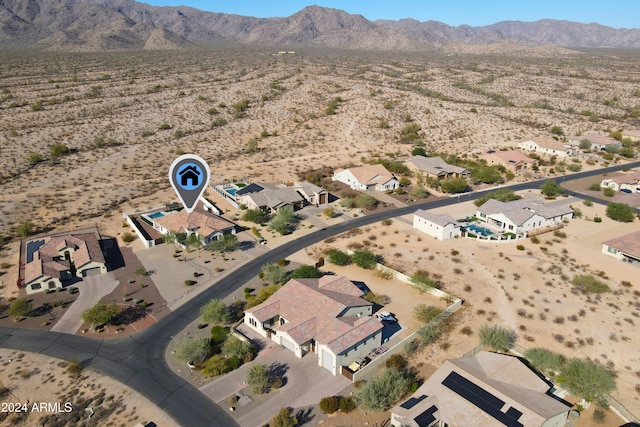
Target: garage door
[[288, 344], [91, 272], [327, 360]]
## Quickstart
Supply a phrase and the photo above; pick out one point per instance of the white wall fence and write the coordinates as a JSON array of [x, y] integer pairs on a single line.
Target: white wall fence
[[147, 242], [456, 303]]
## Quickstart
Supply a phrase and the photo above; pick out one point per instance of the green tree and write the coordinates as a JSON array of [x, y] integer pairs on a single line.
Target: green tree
[[34, 158], [557, 130], [256, 215], [365, 201], [215, 311], [454, 185], [306, 272], [587, 379], [227, 243], [585, 144], [612, 149], [487, 174], [497, 338], [258, 378], [339, 258], [192, 349], [419, 151], [381, 392], [24, 228], [544, 360], [329, 405], [234, 347], [608, 192], [101, 313], [20, 308], [216, 365], [419, 192], [620, 212], [284, 221], [273, 273], [283, 419], [194, 240], [364, 259], [550, 188]]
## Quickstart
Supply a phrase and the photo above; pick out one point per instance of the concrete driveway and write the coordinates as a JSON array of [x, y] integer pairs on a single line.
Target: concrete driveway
[[306, 383], [92, 289]]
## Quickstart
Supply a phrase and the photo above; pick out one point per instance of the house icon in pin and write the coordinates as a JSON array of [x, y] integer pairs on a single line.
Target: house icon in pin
[[190, 173]]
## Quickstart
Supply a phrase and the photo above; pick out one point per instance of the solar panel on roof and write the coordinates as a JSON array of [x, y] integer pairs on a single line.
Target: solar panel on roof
[[410, 403], [33, 247], [482, 399], [426, 418]]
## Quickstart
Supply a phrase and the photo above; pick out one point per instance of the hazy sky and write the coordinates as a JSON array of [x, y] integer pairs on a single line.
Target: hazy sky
[[614, 13]]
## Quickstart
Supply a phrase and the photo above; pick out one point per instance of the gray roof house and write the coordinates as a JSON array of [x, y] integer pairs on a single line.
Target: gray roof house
[[523, 215], [437, 168], [485, 390]]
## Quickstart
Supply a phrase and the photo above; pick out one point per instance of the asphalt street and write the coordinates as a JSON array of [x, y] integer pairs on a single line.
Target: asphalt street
[[138, 360]]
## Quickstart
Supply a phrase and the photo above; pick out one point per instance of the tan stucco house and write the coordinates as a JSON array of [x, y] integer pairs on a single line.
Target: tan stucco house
[[368, 177], [513, 160]]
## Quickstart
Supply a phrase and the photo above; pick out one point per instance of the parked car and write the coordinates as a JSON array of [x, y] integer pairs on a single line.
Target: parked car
[[263, 242], [359, 363], [626, 190], [386, 316]]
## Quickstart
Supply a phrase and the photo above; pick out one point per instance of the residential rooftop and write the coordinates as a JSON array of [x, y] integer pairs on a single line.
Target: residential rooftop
[[628, 244]]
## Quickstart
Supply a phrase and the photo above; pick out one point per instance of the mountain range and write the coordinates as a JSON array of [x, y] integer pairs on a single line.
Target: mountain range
[[99, 25]]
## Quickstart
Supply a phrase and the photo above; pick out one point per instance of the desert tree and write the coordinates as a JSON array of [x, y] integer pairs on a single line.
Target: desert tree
[[192, 349], [258, 378], [20, 308], [381, 392], [587, 379], [25, 228], [215, 311], [497, 338], [101, 313], [550, 188], [620, 212]]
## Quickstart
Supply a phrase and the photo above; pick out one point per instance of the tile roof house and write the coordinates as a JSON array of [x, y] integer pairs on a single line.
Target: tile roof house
[[485, 390], [597, 140], [548, 145], [523, 215], [327, 317], [436, 167], [625, 248], [201, 221], [271, 197], [52, 261], [629, 181], [368, 177], [439, 226], [513, 160]]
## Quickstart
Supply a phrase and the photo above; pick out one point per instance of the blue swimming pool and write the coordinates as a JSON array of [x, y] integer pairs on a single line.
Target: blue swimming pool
[[479, 230], [231, 191], [156, 215]]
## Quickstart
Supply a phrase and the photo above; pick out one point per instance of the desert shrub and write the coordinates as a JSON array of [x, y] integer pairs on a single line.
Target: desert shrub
[[283, 419], [426, 313], [276, 383], [364, 259], [428, 334], [273, 273], [74, 367], [339, 258], [620, 212], [544, 360], [599, 415], [347, 404], [256, 215], [306, 272], [218, 334], [497, 338], [502, 195], [608, 192], [128, 237], [365, 201], [587, 379], [216, 365], [192, 349], [455, 185], [329, 405], [233, 347], [550, 188], [20, 308], [381, 392], [215, 311], [589, 283], [329, 212], [422, 280], [258, 378], [396, 361]]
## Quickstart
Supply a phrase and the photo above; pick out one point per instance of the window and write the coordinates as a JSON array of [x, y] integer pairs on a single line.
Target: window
[[36, 286], [51, 284], [612, 250]]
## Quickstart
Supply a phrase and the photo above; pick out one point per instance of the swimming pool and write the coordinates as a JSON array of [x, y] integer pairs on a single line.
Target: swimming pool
[[479, 230], [156, 215], [231, 191]]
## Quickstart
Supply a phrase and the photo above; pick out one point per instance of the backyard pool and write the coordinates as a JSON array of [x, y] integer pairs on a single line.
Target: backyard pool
[[156, 215], [479, 230], [231, 191]]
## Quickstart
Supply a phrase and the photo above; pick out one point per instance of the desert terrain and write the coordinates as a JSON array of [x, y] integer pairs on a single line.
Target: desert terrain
[[124, 117]]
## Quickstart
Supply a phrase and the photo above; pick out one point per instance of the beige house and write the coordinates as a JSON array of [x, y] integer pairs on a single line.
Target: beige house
[[435, 167], [441, 227], [630, 181], [523, 215], [549, 146], [485, 390], [202, 222], [597, 140], [52, 261], [368, 177], [624, 248], [513, 160], [327, 317]]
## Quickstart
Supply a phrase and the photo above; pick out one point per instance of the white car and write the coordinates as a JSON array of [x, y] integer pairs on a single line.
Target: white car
[[387, 317]]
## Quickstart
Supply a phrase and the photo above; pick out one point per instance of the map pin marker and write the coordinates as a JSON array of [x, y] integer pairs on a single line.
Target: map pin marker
[[189, 176]]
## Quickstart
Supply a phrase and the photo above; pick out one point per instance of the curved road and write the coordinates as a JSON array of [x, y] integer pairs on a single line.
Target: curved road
[[138, 360]]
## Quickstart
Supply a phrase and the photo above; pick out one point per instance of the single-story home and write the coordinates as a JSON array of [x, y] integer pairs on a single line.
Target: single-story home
[[202, 222], [271, 197], [435, 167], [548, 145], [625, 248], [597, 140], [368, 177], [513, 160], [327, 317], [629, 181], [313, 194], [52, 261], [441, 227], [523, 215], [485, 390]]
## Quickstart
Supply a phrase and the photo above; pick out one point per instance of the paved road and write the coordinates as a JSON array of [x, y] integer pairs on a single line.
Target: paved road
[[138, 360], [92, 289]]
